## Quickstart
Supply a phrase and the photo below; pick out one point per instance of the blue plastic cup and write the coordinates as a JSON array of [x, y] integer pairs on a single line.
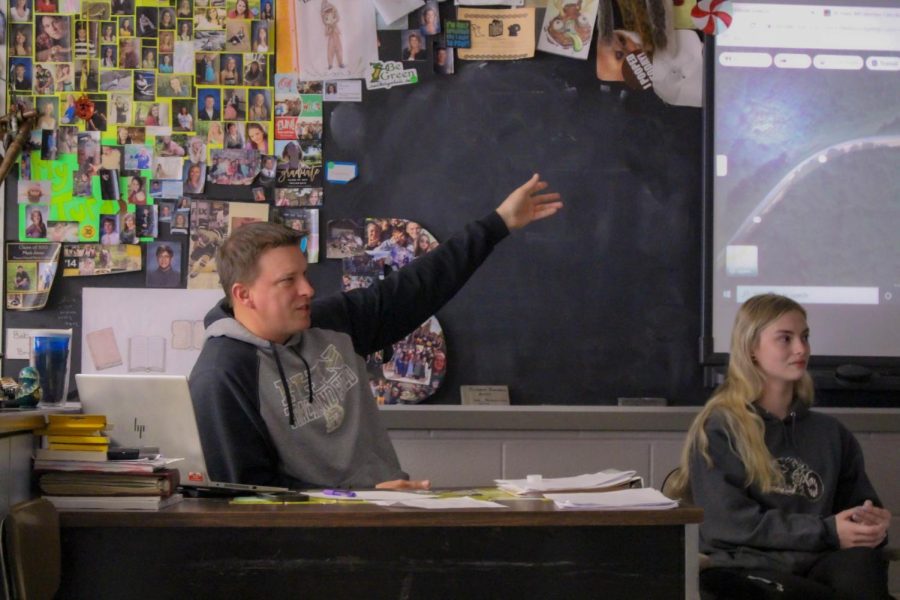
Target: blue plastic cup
[[50, 356]]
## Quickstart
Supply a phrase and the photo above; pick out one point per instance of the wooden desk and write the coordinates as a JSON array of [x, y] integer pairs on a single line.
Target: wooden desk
[[209, 548]]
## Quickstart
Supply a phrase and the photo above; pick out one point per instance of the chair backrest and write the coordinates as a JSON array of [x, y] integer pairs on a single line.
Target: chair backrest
[[668, 484], [31, 549]]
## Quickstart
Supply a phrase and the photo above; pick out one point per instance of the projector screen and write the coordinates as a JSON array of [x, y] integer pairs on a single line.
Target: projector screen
[[802, 183]]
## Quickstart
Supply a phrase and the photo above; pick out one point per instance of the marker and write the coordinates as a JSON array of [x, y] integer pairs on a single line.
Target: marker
[[340, 493]]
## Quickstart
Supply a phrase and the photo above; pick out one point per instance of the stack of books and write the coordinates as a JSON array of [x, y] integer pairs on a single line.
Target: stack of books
[[78, 474], [74, 437]]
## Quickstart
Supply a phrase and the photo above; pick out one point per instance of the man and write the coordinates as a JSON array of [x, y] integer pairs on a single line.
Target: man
[[23, 281], [280, 388], [21, 82], [164, 275], [209, 112]]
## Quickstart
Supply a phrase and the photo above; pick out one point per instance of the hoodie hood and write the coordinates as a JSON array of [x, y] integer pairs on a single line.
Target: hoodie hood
[[220, 322]]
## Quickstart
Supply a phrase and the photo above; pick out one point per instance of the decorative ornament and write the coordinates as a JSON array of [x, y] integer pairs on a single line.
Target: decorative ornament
[[712, 16], [29, 393], [84, 107]]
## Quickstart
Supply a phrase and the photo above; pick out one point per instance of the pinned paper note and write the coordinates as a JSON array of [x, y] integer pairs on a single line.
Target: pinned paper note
[[340, 172]]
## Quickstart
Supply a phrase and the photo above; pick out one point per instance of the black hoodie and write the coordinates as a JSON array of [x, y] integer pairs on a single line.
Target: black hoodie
[[789, 529], [302, 414]]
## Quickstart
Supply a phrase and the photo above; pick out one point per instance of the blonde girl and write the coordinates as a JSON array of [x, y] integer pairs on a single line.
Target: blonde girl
[[786, 499]]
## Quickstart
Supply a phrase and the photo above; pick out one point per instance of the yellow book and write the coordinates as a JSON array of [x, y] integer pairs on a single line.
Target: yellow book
[[81, 422], [67, 431], [77, 439], [80, 447]]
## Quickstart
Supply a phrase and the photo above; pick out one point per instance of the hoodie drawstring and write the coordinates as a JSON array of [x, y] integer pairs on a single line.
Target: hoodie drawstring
[[287, 388]]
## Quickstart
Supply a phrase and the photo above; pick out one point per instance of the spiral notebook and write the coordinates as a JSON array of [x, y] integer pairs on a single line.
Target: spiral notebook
[[155, 410]]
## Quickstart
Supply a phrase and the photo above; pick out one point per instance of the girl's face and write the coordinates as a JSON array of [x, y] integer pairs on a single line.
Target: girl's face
[[154, 110], [782, 351], [194, 173], [134, 185], [20, 38], [52, 27], [231, 64], [240, 7], [36, 217], [256, 135], [414, 42]]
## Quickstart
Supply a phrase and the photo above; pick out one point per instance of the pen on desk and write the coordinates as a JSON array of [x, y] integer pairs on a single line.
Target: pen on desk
[[340, 493]]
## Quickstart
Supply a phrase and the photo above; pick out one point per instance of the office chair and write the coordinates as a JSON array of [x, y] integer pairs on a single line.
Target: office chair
[[31, 550]]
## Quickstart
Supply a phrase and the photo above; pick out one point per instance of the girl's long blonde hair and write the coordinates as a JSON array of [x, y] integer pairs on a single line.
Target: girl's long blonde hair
[[733, 400]]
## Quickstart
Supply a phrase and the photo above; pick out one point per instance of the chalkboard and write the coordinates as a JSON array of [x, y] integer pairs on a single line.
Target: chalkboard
[[600, 302]]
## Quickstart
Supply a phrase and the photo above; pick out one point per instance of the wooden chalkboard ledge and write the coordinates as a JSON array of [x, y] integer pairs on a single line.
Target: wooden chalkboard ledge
[[594, 418]]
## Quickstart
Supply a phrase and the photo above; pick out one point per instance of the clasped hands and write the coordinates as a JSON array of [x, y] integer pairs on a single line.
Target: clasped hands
[[866, 525]]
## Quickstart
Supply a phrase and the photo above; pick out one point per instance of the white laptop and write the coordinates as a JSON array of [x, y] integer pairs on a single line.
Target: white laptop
[[154, 411]]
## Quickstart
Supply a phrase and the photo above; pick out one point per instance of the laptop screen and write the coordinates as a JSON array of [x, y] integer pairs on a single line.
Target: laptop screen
[[156, 411]]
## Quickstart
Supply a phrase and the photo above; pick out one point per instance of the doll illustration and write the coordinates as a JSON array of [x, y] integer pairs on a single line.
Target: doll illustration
[[330, 18]]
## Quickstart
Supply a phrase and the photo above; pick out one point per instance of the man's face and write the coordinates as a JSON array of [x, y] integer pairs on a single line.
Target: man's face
[[20, 71], [280, 296], [210, 102], [164, 260]]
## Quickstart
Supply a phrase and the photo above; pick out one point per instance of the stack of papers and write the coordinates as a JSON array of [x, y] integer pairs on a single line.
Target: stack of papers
[[609, 478], [634, 499]]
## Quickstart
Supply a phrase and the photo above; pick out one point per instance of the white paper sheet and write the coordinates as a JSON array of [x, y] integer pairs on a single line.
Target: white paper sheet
[[633, 499], [391, 10], [374, 496], [443, 503]]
